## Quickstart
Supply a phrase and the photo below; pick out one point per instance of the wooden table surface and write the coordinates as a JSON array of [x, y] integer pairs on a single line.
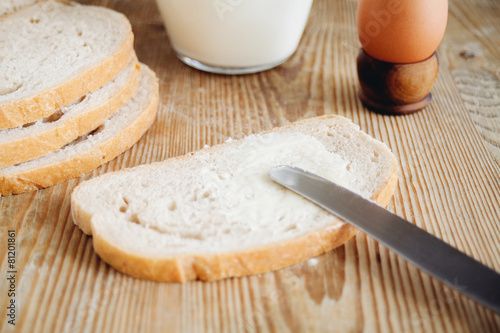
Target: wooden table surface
[[449, 184]]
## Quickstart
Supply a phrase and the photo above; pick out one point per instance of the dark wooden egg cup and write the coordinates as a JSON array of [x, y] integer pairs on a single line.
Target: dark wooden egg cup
[[396, 89]]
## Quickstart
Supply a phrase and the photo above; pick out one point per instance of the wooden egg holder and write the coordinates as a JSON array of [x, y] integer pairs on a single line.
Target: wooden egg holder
[[396, 89]]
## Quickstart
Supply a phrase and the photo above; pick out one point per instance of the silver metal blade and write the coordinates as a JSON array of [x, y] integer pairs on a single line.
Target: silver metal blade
[[424, 250]]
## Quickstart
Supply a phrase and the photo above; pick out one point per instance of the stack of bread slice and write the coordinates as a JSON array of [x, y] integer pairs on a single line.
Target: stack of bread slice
[[73, 95]]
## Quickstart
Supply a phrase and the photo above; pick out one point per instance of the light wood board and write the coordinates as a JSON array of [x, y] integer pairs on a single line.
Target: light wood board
[[449, 184]]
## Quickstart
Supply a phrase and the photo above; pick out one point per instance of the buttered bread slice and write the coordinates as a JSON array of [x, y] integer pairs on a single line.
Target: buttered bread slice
[[215, 213], [53, 52], [116, 134]]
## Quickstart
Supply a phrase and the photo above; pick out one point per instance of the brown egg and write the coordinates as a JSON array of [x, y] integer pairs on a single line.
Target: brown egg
[[401, 31]]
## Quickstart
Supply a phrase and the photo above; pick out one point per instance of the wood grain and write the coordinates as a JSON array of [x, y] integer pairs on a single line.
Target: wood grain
[[395, 89], [449, 184], [471, 47]]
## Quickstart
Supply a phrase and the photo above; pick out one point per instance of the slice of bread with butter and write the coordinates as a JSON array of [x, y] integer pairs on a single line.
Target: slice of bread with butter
[[214, 213]]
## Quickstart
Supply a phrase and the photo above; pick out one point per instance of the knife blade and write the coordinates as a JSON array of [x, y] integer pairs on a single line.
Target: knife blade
[[432, 255]]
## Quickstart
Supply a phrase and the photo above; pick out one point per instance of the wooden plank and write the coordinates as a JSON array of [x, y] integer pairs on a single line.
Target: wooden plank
[[449, 185], [471, 49]]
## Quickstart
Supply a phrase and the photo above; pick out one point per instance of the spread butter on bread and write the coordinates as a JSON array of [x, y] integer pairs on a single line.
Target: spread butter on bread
[[215, 213]]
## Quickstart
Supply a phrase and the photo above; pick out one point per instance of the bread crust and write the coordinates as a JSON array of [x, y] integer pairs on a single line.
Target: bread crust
[[208, 267], [39, 144], [40, 105], [34, 179]]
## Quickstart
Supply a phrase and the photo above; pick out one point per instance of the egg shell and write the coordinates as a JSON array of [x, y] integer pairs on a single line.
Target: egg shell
[[401, 31]]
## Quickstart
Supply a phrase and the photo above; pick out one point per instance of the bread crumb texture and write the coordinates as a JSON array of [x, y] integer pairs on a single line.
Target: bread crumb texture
[[55, 52]]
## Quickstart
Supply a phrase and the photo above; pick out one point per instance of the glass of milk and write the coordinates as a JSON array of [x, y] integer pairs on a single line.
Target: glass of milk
[[234, 36]]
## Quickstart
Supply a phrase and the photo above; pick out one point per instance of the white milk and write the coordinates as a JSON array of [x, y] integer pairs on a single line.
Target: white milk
[[234, 36]]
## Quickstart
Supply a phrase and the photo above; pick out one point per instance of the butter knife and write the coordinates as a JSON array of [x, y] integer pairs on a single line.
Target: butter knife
[[427, 252]]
